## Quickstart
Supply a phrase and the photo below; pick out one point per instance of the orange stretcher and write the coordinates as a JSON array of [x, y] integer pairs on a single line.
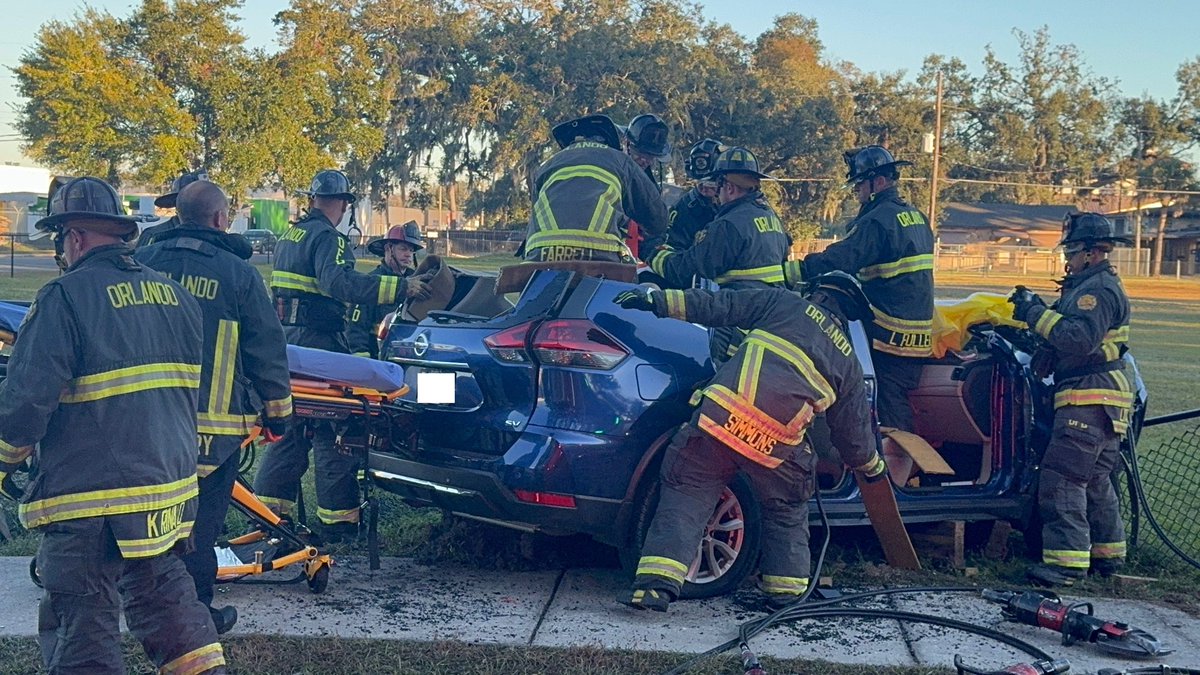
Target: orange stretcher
[[274, 545], [366, 415]]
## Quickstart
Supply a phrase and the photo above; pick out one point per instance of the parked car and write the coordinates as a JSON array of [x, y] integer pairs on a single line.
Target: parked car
[[564, 402], [262, 241]]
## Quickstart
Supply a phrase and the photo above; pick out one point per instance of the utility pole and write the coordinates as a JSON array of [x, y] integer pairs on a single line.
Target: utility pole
[[937, 155]]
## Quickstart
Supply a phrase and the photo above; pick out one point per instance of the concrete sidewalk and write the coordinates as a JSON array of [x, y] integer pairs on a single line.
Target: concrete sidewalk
[[576, 607]]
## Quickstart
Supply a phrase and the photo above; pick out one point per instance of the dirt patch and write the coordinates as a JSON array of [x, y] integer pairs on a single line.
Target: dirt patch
[[490, 547]]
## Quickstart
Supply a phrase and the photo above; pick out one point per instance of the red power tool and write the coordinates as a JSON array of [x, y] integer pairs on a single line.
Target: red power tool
[[1054, 667], [1076, 622]]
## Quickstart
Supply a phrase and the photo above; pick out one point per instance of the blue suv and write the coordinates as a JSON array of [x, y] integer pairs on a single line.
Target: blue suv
[[563, 403]]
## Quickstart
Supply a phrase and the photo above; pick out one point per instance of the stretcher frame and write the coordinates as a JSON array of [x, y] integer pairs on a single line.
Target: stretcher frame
[[322, 400], [273, 530]]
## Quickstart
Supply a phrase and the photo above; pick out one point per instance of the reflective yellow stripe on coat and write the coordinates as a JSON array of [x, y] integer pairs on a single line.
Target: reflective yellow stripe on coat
[[770, 274], [132, 379], [597, 235], [295, 282], [915, 263], [109, 502], [11, 454], [220, 388], [278, 407]]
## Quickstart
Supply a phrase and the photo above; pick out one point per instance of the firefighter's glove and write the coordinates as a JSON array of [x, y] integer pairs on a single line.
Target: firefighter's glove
[[417, 289], [274, 429], [8, 487], [640, 298], [1023, 301], [874, 470]]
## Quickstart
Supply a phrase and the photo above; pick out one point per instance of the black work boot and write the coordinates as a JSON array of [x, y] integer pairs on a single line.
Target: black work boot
[[1054, 575], [223, 618], [1105, 567], [656, 599], [339, 532]]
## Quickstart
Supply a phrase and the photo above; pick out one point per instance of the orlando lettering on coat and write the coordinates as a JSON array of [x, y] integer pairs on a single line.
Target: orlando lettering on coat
[[125, 294], [203, 288]]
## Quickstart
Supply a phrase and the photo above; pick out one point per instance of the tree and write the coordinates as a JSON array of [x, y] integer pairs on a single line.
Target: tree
[[1044, 119], [92, 107]]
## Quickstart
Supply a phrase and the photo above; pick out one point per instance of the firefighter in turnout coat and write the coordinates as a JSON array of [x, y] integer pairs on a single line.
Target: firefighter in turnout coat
[[104, 382], [889, 247], [1086, 333], [696, 209], [795, 362], [396, 252], [245, 371], [587, 194], [743, 247], [313, 281]]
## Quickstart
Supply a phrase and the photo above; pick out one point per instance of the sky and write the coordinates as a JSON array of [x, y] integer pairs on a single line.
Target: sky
[[1138, 46]]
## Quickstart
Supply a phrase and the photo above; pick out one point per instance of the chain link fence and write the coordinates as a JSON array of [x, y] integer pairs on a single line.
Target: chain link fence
[[1168, 465]]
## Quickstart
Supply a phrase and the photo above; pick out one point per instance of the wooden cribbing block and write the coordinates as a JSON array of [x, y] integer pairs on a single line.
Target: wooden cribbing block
[[942, 541], [997, 545]]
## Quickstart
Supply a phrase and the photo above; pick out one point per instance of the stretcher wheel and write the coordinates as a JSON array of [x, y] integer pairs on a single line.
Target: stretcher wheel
[[319, 580], [33, 573]]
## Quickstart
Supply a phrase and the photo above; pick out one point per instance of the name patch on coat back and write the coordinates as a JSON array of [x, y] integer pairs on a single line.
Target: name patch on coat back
[[165, 521], [128, 294]]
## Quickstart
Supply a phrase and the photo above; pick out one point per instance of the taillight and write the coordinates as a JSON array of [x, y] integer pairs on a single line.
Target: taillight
[[384, 326], [577, 343], [509, 344], [545, 498]]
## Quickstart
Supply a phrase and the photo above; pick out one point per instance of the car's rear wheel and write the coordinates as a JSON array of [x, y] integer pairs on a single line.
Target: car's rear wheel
[[729, 549]]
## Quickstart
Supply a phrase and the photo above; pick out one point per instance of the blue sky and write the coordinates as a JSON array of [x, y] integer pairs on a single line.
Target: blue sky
[[1139, 46]]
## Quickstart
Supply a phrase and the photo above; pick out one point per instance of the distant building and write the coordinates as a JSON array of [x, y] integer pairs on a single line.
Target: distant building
[[20, 188], [1037, 225]]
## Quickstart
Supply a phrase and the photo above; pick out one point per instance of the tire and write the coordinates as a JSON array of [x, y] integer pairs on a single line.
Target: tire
[[33, 573], [730, 547], [319, 581]]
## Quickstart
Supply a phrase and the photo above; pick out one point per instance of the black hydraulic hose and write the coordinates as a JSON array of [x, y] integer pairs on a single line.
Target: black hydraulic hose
[[822, 609], [1153, 669], [913, 617], [1130, 461], [753, 627], [1173, 417]]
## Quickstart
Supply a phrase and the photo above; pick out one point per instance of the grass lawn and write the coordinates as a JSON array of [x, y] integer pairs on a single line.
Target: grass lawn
[[259, 655]]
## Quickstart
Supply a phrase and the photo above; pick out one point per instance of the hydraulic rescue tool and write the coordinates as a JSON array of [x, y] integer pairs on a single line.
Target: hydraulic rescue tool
[[1053, 667], [1076, 622]]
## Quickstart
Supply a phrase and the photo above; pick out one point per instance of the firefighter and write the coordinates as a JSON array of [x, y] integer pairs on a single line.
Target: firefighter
[[167, 201], [396, 251], [696, 209], [313, 281], [113, 492], [245, 371], [1086, 333], [796, 362], [743, 247], [647, 143], [586, 195], [889, 246]]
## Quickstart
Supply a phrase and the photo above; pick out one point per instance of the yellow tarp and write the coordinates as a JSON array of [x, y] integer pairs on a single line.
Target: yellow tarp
[[951, 319]]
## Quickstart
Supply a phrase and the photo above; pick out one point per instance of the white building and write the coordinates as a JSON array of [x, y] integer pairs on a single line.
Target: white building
[[20, 188]]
